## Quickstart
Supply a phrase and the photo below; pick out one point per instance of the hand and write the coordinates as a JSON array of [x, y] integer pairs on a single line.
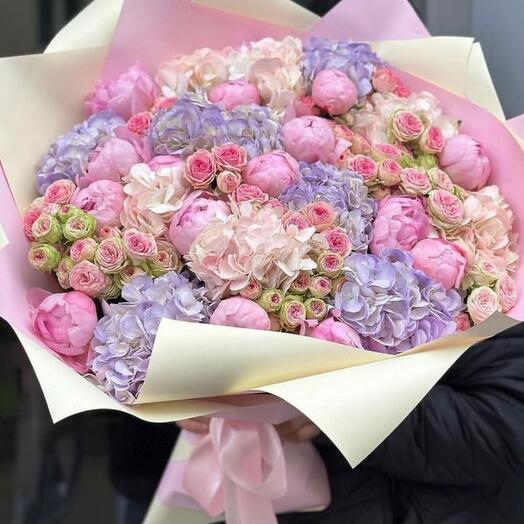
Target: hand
[[299, 429], [195, 425]]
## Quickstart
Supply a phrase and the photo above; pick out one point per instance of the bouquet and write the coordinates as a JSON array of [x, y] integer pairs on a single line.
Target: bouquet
[[297, 186]]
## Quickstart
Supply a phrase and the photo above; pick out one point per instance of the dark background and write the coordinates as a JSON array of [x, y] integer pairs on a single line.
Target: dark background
[[59, 474]]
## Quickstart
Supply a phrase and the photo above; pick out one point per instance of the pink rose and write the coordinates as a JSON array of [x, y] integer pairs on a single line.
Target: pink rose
[[295, 219], [139, 245], [334, 92], [140, 123], [201, 169], [381, 151], [240, 312], [465, 162], [231, 157], [228, 181], [432, 140], [320, 215], [389, 172], [272, 172], [482, 303], [440, 179], [402, 91], [30, 217], [384, 80], [252, 291], [335, 331], [66, 323], [248, 193], [158, 162], [87, 278], [415, 181], [110, 256], [442, 261], [406, 126], [197, 211], [104, 200], [338, 241], [59, 192], [365, 166], [330, 264], [234, 93], [162, 102], [506, 289], [446, 210], [320, 286], [401, 222], [83, 249], [309, 139], [463, 322], [111, 162], [131, 93]]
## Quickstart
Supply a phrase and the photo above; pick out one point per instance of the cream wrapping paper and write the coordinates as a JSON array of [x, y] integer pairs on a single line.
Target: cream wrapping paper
[[321, 379]]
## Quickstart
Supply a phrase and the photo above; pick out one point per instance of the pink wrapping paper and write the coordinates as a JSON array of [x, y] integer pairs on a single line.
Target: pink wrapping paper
[[517, 125]]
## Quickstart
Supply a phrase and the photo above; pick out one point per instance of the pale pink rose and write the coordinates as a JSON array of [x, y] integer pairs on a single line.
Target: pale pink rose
[[158, 162], [112, 162], [482, 303], [240, 312], [389, 172], [406, 126], [228, 181], [87, 278], [59, 192], [30, 217], [130, 272], [338, 241], [384, 80], [382, 151], [402, 91], [334, 92], [140, 123], [201, 169], [446, 210], [197, 211], [465, 161], [320, 215], [442, 261], [415, 181], [104, 200], [335, 331], [108, 232], [295, 219], [252, 291], [83, 249], [249, 193], [463, 322], [131, 93], [110, 256], [432, 141], [234, 93], [272, 172], [360, 145], [401, 222], [229, 156], [139, 245], [309, 139], [320, 286], [65, 322], [302, 106], [440, 179], [485, 270], [365, 166], [507, 290]]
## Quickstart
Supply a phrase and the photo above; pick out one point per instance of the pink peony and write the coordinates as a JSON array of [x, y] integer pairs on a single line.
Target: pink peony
[[309, 139], [131, 93], [66, 323], [111, 162], [234, 93], [482, 303], [87, 278], [231, 157], [335, 331], [228, 181], [60, 192], [442, 261], [104, 200], [465, 162], [272, 172], [248, 193], [401, 222], [201, 169], [320, 215], [334, 92], [240, 312], [197, 211]]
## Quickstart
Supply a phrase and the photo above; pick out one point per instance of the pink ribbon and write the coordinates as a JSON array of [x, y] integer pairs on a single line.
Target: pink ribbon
[[238, 468]]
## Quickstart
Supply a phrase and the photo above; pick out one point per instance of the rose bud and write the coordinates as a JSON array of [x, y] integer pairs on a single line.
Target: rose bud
[[406, 126], [463, 322], [252, 291], [83, 249], [365, 166], [301, 283], [240, 312], [334, 92], [201, 169], [292, 314], [43, 257], [271, 300], [482, 303], [80, 226], [446, 210], [46, 229], [87, 278], [140, 123], [335, 331], [320, 215], [234, 93], [320, 286], [62, 272], [139, 246], [59, 192], [414, 181], [432, 141], [110, 256], [230, 157], [316, 308]]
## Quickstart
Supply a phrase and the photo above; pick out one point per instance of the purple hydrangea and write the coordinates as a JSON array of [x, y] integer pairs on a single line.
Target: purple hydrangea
[[191, 124], [393, 306], [344, 190], [69, 155], [125, 336], [355, 59]]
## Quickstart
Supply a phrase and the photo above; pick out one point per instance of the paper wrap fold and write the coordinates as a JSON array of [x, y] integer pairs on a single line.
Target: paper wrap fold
[[41, 97]]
